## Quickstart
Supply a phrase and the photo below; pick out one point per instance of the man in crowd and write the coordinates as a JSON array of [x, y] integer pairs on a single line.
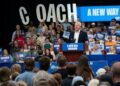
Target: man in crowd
[[71, 69], [5, 77], [44, 63], [61, 61], [116, 73], [28, 74], [14, 33]]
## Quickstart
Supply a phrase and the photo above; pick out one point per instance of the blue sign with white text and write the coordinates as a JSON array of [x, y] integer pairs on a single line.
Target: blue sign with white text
[[117, 32], [5, 59], [98, 13], [72, 46], [118, 49]]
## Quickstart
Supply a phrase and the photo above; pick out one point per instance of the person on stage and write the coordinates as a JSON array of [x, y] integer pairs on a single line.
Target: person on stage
[[78, 36]]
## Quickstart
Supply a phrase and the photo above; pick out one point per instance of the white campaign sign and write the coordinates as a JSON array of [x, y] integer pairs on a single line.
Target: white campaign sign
[[50, 16]]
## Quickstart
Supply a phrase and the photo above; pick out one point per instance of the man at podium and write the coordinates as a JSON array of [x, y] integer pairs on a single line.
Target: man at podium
[[76, 45], [78, 36]]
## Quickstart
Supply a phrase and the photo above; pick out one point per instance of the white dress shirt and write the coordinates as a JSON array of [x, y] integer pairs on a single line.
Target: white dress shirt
[[76, 36]]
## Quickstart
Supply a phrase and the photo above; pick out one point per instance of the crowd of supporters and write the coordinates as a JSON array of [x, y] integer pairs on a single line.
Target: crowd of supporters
[[47, 39], [79, 74], [43, 44]]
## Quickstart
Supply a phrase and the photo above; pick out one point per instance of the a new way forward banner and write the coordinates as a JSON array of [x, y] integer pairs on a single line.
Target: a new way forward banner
[[98, 13]]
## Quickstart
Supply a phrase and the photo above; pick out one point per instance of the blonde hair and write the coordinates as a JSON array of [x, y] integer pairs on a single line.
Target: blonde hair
[[58, 78], [112, 49], [93, 82], [16, 68], [5, 52], [21, 83]]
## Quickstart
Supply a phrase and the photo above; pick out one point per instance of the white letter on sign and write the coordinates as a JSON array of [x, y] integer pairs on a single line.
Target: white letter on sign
[[42, 7], [23, 12], [72, 14], [58, 13], [51, 13]]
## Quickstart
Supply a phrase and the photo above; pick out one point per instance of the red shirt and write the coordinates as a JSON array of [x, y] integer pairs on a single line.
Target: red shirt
[[20, 40]]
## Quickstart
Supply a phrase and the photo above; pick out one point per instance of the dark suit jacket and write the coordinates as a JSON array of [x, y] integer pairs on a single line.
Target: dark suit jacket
[[82, 37]]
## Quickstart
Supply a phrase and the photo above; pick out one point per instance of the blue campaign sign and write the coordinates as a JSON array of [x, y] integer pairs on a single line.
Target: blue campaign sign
[[66, 34], [118, 49], [56, 47], [5, 59], [98, 13], [72, 46], [117, 32]]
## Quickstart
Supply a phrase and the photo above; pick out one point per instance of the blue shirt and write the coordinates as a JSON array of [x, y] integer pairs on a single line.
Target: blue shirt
[[26, 76]]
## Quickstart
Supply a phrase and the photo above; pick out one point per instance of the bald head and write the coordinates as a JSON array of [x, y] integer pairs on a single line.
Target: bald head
[[77, 26], [116, 67], [116, 71]]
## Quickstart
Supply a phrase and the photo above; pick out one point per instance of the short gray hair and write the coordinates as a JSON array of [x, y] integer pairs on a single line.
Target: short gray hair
[[78, 23], [42, 78]]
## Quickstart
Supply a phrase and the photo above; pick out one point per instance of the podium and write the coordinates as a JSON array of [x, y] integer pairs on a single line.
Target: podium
[[72, 51]]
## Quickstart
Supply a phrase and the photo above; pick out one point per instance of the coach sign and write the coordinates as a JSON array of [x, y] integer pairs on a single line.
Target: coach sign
[[53, 13]]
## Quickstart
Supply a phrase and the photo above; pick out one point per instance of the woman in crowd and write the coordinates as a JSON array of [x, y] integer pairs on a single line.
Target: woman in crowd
[[58, 78], [93, 82], [25, 48], [110, 41], [112, 50], [20, 39], [50, 28], [83, 69], [21, 83], [47, 44], [118, 40], [52, 36], [95, 50], [52, 53], [48, 54], [61, 61], [15, 47], [28, 42], [60, 30], [15, 70], [71, 70], [6, 54], [29, 32], [5, 75], [41, 39]]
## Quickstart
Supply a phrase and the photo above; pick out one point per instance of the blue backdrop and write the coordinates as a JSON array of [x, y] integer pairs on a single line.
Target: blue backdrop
[[98, 13]]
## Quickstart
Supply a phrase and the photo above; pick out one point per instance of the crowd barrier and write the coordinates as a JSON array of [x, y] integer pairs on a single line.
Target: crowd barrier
[[109, 58]]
